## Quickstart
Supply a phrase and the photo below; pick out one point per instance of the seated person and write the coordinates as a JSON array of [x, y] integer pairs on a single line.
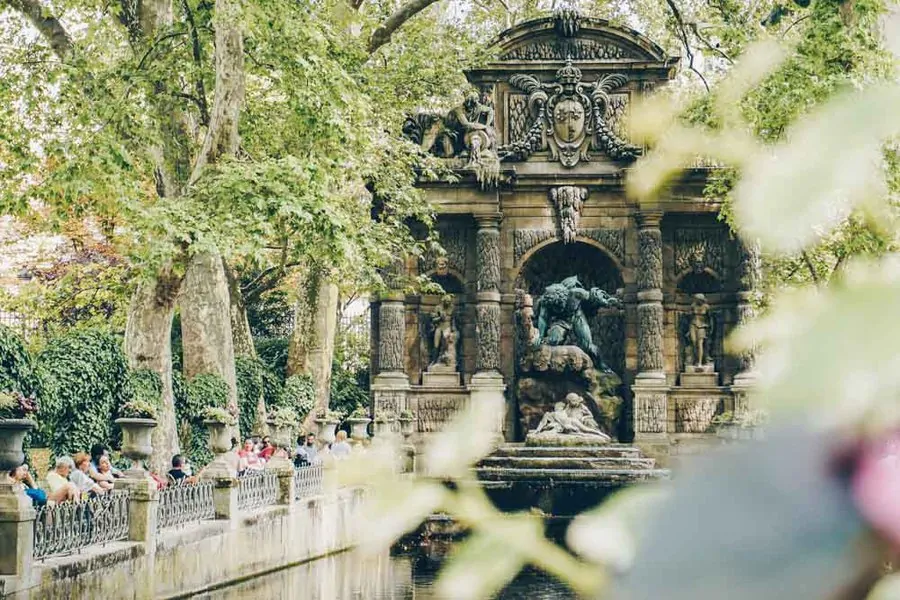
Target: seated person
[[81, 478], [307, 453], [105, 471], [21, 478], [267, 450], [248, 457], [341, 449], [97, 452], [177, 473], [61, 489]]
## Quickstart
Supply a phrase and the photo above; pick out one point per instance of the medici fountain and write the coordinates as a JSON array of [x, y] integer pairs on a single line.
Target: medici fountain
[[598, 321]]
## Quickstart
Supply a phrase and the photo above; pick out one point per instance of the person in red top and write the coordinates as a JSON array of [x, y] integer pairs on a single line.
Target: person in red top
[[249, 459], [267, 449]]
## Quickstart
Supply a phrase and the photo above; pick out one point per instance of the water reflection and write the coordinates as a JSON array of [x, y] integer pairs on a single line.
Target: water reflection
[[398, 576]]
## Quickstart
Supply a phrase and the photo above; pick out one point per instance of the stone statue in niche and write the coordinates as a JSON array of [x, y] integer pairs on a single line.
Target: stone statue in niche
[[444, 337], [561, 318], [466, 130], [569, 418], [442, 266], [698, 338], [568, 200], [569, 118]]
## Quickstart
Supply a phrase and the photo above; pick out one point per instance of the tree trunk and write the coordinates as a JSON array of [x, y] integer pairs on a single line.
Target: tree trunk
[[148, 335], [206, 322], [240, 324], [311, 349]]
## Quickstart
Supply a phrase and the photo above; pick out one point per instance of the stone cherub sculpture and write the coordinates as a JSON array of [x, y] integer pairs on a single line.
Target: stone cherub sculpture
[[561, 318], [444, 336], [698, 331], [570, 417]]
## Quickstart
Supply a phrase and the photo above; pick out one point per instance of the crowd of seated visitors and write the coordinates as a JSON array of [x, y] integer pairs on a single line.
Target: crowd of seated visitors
[[92, 475]]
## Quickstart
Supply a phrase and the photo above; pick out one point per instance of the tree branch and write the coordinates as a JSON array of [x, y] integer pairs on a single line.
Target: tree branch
[[49, 26], [382, 34], [812, 270], [708, 44], [682, 33], [197, 52]]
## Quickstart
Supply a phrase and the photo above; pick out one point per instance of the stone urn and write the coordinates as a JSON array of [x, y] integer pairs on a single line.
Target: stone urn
[[407, 427], [12, 435], [282, 437], [219, 441], [136, 443], [383, 428], [327, 429], [358, 427]]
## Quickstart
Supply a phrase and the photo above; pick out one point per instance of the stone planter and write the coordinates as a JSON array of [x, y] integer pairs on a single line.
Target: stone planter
[[12, 435], [358, 427], [727, 432], [219, 441], [136, 443], [281, 435], [326, 430], [383, 429], [407, 428]]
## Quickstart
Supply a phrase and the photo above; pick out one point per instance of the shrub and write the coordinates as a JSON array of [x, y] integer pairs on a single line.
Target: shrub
[[349, 389], [84, 373], [273, 352], [284, 417], [299, 395], [202, 392], [250, 387], [217, 414], [18, 372], [138, 409], [145, 385]]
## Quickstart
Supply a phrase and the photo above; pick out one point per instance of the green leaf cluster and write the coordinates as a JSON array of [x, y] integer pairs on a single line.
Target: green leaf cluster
[[202, 392], [85, 376], [18, 371], [255, 380], [299, 395]]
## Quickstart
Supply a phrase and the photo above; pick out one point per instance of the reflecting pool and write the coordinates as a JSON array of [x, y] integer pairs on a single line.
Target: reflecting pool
[[396, 576]]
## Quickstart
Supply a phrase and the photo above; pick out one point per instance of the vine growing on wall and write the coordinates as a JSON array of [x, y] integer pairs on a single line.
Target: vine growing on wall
[[192, 398]]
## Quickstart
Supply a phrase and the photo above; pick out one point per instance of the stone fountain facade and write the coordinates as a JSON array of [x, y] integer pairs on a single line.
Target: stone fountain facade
[[541, 152]]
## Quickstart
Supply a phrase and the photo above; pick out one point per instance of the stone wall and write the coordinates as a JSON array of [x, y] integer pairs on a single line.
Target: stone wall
[[198, 557]]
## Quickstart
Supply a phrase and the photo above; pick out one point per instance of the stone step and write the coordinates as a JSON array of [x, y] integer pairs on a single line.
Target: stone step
[[606, 451], [602, 477], [568, 462]]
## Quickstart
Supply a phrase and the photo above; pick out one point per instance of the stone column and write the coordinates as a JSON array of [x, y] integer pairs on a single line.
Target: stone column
[[224, 495], [16, 531], [391, 385], [748, 271], [487, 382], [650, 388]]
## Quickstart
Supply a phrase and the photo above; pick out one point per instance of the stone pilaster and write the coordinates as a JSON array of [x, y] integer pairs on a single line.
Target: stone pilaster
[[487, 325], [143, 505], [748, 271], [16, 531], [487, 383], [650, 389], [390, 386], [225, 496]]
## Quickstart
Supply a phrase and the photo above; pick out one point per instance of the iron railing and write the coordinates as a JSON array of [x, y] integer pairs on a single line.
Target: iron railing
[[308, 481], [70, 526], [185, 503], [257, 489]]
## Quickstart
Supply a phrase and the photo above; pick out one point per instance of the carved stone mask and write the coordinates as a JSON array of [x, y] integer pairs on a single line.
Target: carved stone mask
[[568, 120]]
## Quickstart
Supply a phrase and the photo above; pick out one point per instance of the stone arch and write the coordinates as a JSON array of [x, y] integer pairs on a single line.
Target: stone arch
[[595, 267], [692, 281], [603, 251]]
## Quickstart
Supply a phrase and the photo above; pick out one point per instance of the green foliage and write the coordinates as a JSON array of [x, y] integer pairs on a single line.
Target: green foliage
[[85, 374], [218, 415], [138, 409], [273, 352], [15, 405], [284, 417], [299, 394], [202, 392], [349, 390], [249, 378], [145, 385], [17, 369]]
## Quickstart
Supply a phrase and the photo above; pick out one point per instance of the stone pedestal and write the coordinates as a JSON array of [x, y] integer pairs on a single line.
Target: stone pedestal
[[488, 387], [741, 389], [389, 392], [16, 531], [650, 407], [696, 377], [225, 496], [441, 379], [143, 503]]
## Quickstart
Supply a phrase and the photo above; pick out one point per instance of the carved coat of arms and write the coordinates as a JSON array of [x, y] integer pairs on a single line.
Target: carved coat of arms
[[569, 118]]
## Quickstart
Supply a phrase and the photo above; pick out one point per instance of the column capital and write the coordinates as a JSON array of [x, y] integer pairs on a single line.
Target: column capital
[[488, 221], [649, 219]]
